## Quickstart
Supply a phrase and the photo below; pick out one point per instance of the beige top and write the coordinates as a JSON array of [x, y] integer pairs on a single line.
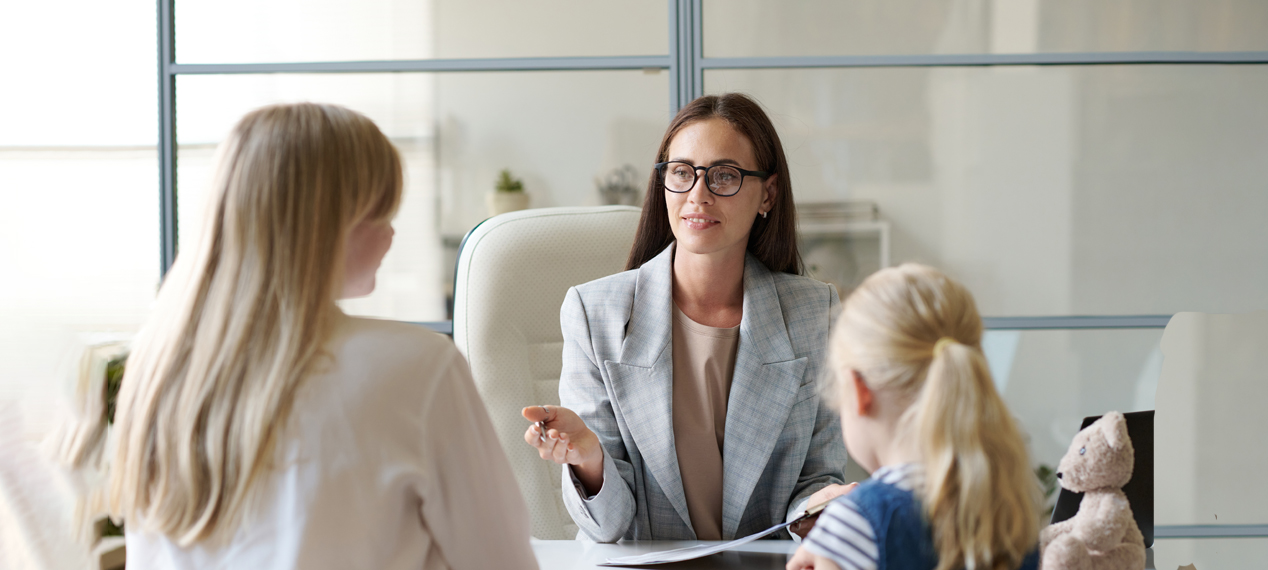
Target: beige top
[[704, 360], [390, 461]]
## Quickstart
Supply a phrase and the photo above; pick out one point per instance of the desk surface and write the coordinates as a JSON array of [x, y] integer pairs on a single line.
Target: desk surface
[[759, 555], [577, 554]]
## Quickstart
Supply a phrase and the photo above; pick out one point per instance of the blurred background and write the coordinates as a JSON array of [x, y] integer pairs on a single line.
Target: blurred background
[[1105, 159]]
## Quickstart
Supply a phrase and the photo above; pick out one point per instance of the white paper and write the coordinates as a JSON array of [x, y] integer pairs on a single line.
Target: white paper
[[691, 552]]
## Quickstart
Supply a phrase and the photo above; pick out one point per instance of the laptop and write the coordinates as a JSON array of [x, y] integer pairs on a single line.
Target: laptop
[[1139, 490]]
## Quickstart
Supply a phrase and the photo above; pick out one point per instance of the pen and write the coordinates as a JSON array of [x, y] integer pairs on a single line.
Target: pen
[[810, 514], [541, 425], [815, 510]]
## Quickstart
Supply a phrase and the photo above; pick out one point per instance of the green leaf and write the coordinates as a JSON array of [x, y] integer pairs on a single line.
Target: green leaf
[[114, 379]]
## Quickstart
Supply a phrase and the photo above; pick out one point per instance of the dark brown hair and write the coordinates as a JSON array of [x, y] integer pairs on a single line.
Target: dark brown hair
[[773, 239]]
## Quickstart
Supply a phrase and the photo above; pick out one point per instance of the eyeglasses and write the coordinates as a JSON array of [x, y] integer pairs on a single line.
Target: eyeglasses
[[720, 179]]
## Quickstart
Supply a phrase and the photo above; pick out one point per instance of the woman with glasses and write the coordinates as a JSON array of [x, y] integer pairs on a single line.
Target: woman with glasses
[[689, 400]]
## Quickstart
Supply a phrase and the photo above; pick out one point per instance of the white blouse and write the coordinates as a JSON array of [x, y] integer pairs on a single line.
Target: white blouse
[[388, 461]]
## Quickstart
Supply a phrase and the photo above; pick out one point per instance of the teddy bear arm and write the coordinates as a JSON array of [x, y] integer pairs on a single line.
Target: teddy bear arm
[[1107, 525], [1054, 530]]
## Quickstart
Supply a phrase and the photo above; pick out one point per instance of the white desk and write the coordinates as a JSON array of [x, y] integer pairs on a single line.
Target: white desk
[[577, 555], [759, 555]]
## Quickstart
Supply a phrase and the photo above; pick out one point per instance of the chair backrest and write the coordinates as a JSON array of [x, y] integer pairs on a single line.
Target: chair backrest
[[513, 272]]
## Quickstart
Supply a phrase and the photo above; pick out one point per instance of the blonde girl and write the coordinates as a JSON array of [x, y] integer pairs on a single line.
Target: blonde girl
[[951, 486], [260, 427]]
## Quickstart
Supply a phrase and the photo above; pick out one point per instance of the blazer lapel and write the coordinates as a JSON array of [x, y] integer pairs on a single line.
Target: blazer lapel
[[643, 381], [766, 379]]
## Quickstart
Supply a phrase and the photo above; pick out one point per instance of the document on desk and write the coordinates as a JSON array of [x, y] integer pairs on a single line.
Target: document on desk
[[691, 552], [694, 552]]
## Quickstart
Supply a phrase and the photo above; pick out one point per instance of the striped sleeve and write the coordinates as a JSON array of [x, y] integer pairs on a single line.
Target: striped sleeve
[[844, 536]]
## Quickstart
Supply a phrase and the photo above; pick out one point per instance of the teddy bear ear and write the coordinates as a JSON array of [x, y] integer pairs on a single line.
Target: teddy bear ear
[[1115, 430]]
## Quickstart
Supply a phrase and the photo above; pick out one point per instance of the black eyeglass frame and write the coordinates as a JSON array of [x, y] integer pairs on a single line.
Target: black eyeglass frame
[[660, 169]]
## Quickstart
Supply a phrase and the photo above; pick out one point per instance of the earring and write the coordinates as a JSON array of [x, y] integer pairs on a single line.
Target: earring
[[763, 215]]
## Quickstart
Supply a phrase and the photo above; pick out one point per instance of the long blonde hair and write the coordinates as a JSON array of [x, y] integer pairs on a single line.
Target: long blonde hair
[[241, 318], [978, 493]]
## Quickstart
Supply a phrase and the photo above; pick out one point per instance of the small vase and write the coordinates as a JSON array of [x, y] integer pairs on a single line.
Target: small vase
[[503, 202]]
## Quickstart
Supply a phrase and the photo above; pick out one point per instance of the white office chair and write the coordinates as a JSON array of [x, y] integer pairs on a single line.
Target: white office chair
[[513, 272]]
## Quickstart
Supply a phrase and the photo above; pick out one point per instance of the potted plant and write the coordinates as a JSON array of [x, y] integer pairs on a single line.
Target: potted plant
[[79, 447], [619, 187], [507, 196]]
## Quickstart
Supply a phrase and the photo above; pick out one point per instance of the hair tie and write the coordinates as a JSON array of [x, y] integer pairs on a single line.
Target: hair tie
[[942, 342]]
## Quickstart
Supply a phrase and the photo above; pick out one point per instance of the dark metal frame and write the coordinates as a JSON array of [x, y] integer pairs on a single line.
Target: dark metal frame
[[1211, 531], [167, 134], [985, 60], [686, 64], [660, 169], [686, 52], [431, 65], [1078, 322]]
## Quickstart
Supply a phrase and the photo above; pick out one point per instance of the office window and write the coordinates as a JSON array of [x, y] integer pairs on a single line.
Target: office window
[[1057, 190], [1052, 379], [79, 188], [747, 28], [455, 132], [295, 30]]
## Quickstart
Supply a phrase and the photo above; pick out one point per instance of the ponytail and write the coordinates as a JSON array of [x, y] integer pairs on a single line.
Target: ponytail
[[979, 494], [915, 333]]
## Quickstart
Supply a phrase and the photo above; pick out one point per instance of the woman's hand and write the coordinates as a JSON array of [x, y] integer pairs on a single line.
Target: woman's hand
[[805, 560], [818, 498], [566, 441]]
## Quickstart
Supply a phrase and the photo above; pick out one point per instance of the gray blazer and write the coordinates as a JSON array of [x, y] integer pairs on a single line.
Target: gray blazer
[[781, 445]]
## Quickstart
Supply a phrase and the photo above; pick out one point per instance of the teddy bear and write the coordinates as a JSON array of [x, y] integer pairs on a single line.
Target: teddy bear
[[1103, 535]]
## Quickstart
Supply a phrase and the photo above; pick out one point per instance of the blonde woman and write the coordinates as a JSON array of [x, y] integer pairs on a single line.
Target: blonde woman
[[260, 427], [951, 486]]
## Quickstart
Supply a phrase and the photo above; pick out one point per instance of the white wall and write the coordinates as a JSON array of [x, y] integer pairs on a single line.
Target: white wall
[[557, 131], [1210, 460]]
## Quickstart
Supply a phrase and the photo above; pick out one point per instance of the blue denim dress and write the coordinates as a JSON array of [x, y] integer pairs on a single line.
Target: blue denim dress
[[904, 539]]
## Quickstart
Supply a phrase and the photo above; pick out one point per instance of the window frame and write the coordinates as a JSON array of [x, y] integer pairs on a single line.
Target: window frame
[[686, 64]]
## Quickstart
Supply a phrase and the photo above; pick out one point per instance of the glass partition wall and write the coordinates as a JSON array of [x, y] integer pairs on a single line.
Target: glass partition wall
[[449, 82], [1087, 168]]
